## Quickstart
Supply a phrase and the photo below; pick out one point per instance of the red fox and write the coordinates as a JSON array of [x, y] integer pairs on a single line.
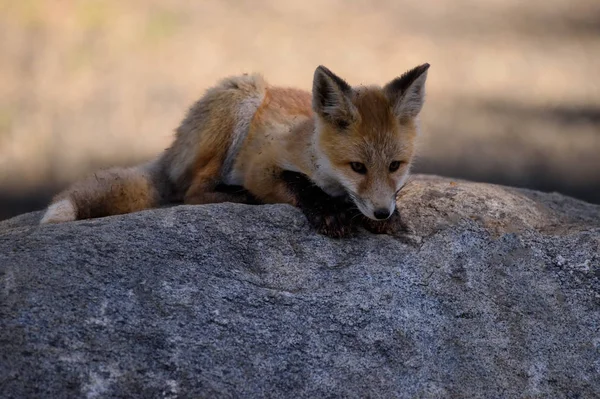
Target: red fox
[[340, 149]]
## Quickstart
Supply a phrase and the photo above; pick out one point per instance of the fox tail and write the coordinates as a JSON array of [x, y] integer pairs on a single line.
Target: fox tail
[[113, 191]]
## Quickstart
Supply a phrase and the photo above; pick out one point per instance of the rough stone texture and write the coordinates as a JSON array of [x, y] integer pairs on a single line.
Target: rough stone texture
[[493, 293]]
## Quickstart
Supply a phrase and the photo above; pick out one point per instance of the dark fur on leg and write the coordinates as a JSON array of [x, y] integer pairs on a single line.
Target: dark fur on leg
[[238, 193], [331, 216]]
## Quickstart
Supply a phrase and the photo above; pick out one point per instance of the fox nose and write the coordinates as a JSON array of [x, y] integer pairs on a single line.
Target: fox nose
[[382, 213]]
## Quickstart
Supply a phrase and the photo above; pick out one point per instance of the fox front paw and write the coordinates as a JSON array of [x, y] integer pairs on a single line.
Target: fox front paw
[[330, 216], [391, 226], [334, 225]]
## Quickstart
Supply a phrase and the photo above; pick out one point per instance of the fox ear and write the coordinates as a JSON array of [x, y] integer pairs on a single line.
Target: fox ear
[[331, 98], [407, 92]]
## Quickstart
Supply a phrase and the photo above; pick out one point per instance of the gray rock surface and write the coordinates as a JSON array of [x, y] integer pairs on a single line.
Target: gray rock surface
[[494, 292]]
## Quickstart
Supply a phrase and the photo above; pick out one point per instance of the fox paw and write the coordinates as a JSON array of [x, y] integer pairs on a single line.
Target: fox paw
[[391, 226], [335, 225]]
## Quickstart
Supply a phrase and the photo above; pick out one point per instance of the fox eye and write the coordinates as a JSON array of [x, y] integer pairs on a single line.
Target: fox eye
[[341, 124], [395, 165], [358, 167]]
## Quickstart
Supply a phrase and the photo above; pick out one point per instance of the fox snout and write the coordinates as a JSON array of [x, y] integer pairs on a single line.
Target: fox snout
[[382, 210], [379, 209]]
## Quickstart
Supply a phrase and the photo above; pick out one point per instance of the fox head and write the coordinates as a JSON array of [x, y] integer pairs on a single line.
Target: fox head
[[366, 136]]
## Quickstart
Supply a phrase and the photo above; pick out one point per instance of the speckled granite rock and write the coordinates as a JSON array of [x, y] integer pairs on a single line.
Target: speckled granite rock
[[493, 292]]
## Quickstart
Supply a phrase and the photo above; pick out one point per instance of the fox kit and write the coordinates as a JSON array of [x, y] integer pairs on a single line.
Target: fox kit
[[340, 154]]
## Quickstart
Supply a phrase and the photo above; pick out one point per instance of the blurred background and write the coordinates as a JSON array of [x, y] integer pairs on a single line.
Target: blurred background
[[513, 90]]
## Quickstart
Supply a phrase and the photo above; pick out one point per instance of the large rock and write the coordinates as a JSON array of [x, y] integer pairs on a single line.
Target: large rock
[[493, 293]]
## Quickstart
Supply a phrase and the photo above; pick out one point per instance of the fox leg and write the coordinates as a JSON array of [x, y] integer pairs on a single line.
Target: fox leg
[[262, 179], [328, 215], [332, 216], [211, 192], [206, 189]]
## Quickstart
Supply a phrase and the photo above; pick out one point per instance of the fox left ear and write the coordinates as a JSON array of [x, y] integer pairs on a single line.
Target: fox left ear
[[407, 92]]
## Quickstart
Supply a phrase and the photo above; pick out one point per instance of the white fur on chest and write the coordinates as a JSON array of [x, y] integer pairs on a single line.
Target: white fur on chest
[[323, 177]]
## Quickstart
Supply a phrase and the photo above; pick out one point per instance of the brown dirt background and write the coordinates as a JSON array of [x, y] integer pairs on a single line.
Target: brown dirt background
[[513, 91]]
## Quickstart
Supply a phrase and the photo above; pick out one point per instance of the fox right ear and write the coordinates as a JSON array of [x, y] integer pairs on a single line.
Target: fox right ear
[[331, 98]]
